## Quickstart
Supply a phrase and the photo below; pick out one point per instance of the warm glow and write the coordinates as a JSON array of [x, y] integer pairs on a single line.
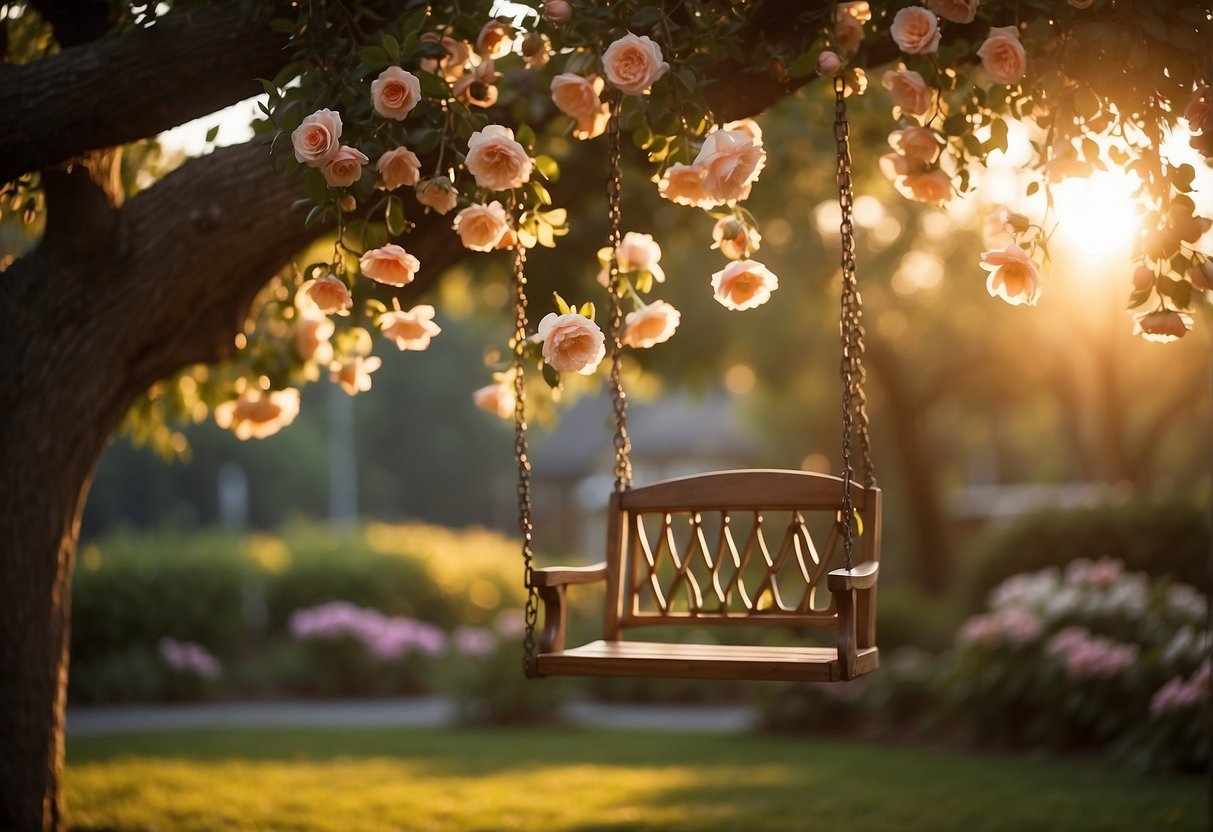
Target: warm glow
[[1096, 216]]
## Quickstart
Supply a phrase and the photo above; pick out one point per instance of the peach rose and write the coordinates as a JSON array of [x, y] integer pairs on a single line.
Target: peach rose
[[1163, 325], [744, 284], [683, 185], [330, 294], [256, 415], [920, 144], [557, 12], [477, 86], [849, 19], [497, 162], [1002, 55], [410, 330], [481, 227], [451, 67], [650, 325], [915, 30], [571, 343], [931, 186], [910, 92], [1199, 110], [312, 339], [730, 160], [398, 168], [496, 398], [344, 167], [734, 238], [317, 138], [957, 11], [495, 40], [1014, 277], [897, 167], [592, 125], [395, 93], [633, 64], [636, 253], [354, 374], [536, 50], [996, 229], [390, 265], [829, 64], [576, 96], [437, 193]]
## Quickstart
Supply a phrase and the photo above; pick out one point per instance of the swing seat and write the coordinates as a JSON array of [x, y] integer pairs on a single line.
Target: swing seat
[[723, 550]]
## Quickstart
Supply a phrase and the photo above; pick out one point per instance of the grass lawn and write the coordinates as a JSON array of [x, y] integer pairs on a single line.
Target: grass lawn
[[456, 780]]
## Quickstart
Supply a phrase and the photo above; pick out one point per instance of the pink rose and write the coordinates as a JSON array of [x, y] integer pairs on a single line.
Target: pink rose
[[312, 339], [1014, 277], [636, 253], [633, 63], [650, 325], [256, 415], [932, 186], [536, 50], [410, 330], [330, 294], [481, 227], [910, 92], [344, 167], [957, 11], [557, 12], [744, 284], [915, 30], [395, 93], [683, 185], [354, 374], [592, 125], [571, 343], [849, 19], [496, 160], [1003, 56], [576, 96], [828, 64], [398, 168], [730, 160], [317, 138], [495, 40], [390, 265], [496, 398], [735, 239], [920, 144], [478, 86], [1163, 325], [451, 67], [1199, 110], [437, 193]]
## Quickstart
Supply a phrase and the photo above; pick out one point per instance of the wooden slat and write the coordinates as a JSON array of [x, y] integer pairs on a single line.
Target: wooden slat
[[771, 617], [756, 488], [557, 575], [702, 661]]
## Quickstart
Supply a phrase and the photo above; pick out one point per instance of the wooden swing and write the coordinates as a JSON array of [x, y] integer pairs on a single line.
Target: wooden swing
[[698, 550]]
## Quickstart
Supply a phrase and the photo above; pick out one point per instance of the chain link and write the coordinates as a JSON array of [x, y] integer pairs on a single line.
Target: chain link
[[521, 453], [619, 399]]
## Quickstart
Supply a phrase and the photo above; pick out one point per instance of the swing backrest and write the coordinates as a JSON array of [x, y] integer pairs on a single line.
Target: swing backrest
[[748, 547]]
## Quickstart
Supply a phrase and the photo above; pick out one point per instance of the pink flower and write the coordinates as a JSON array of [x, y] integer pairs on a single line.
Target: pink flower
[[744, 284], [395, 93], [457, 55], [919, 144], [496, 398], [482, 227], [330, 294], [933, 187], [996, 230], [1014, 277], [633, 64], [390, 265], [731, 161], [1003, 56], [536, 50], [495, 40], [477, 86], [438, 193], [398, 168], [683, 185], [496, 160], [915, 30], [640, 253], [557, 12], [190, 657], [571, 343], [1163, 325], [829, 64], [849, 19], [354, 374], [957, 11], [410, 330], [651, 325], [344, 167], [734, 238], [473, 641], [256, 415], [910, 92], [312, 339], [317, 138], [577, 97]]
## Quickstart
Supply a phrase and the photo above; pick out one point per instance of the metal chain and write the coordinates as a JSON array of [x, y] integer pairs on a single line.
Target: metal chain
[[619, 399], [521, 453]]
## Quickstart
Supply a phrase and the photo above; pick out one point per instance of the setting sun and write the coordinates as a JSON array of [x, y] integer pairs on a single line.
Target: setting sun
[[1096, 216]]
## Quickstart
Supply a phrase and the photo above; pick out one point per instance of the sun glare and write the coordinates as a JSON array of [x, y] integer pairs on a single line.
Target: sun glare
[[1096, 216]]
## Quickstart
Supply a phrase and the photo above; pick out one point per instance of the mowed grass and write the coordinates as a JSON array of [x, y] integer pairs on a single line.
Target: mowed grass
[[455, 780]]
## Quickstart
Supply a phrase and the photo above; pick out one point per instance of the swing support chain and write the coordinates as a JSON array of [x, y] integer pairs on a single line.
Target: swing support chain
[[619, 399], [522, 454]]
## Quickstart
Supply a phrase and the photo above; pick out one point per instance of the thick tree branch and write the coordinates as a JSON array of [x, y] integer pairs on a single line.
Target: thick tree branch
[[75, 21]]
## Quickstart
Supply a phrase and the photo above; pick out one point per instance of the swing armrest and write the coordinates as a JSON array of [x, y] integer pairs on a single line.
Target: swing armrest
[[862, 576], [853, 591], [564, 575], [552, 582]]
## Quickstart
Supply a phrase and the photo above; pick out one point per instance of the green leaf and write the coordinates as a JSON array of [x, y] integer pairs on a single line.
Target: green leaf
[[375, 57], [317, 188], [1032, 188], [1090, 150], [433, 86], [645, 17], [547, 167], [1182, 176], [561, 306], [545, 235], [806, 64], [269, 87], [525, 136], [551, 376], [394, 216], [315, 215], [212, 133], [541, 193], [998, 135], [586, 310], [1139, 297], [644, 282], [1179, 291], [391, 46]]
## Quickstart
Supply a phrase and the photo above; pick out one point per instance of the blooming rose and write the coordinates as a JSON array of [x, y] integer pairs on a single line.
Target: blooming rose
[[633, 63], [354, 374], [576, 96], [910, 92], [399, 167], [915, 30], [557, 12], [931, 186], [481, 227], [636, 253], [312, 339], [451, 67], [744, 284], [1163, 325], [390, 265], [1002, 55], [437, 193], [957, 11], [494, 40], [329, 293], [683, 185], [734, 238], [317, 138], [497, 161], [496, 398], [650, 325], [920, 144], [828, 64], [848, 24], [410, 330], [730, 160], [1199, 110], [395, 93], [477, 87], [571, 343], [256, 415], [344, 167], [593, 124], [1014, 277]]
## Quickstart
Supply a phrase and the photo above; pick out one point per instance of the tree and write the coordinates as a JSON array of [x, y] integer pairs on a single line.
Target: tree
[[122, 291]]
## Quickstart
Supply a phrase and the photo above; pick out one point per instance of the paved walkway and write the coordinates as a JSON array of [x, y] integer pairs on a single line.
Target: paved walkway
[[85, 720]]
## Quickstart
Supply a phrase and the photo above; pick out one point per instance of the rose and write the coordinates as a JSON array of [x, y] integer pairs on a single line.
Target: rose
[[1014, 277], [395, 93], [437, 193], [849, 19], [495, 40], [744, 284], [652, 324], [730, 160], [477, 87], [828, 64], [915, 30], [592, 125], [390, 265], [399, 167], [312, 339], [497, 162], [931, 186], [536, 50], [1003, 56], [996, 229], [639, 253], [910, 92], [354, 375], [735, 239], [1163, 325], [496, 398], [344, 168], [919, 144], [571, 343], [451, 67], [557, 12], [329, 293], [410, 330], [317, 138], [481, 227], [576, 96], [256, 415], [633, 63], [957, 11], [683, 185]]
